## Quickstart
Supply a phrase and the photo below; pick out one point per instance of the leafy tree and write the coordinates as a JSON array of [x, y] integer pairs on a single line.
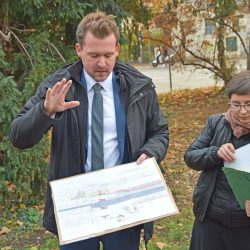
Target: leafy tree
[[33, 43], [137, 19], [39, 33], [22, 174], [181, 21]]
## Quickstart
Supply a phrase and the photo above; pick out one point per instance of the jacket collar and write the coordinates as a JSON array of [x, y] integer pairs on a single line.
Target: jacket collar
[[130, 76], [126, 74]]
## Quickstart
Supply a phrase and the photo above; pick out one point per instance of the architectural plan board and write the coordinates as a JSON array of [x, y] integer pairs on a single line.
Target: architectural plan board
[[108, 200]]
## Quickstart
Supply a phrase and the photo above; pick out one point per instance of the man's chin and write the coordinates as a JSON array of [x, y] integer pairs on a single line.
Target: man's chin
[[100, 77]]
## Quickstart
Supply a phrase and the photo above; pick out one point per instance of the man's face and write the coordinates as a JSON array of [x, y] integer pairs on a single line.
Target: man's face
[[98, 55]]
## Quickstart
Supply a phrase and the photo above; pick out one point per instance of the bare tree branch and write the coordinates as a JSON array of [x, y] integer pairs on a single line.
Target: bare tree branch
[[6, 38], [213, 67], [22, 46], [22, 30], [237, 34], [57, 51]]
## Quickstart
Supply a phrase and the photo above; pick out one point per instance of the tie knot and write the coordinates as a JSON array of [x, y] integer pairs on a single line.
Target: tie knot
[[97, 87]]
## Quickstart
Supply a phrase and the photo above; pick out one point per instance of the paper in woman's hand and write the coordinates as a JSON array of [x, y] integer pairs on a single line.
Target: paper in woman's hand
[[238, 174]]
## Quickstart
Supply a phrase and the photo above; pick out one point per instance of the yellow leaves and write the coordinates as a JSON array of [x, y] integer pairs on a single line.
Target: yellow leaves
[[22, 206], [11, 186], [19, 223], [206, 43], [157, 5], [166, 21], [161, 245], [158, 227], [187, 96], [4, 230], [13, 208]]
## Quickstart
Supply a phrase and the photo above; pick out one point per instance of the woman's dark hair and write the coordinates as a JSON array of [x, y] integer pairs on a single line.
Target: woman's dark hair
[[239, 84]]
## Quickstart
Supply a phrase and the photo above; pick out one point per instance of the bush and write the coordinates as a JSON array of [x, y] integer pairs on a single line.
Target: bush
[[22, 173]]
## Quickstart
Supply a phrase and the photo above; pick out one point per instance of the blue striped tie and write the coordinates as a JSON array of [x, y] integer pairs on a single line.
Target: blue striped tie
[[97, 129]]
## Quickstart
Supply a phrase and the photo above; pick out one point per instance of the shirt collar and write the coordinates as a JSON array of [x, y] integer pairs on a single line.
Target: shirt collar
[[90, 82]]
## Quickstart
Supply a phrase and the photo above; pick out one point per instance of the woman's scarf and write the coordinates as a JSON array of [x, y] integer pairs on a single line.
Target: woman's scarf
[[239, 128]]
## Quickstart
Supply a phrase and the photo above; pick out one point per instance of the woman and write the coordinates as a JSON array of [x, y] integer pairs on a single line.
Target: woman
[[220, 222]]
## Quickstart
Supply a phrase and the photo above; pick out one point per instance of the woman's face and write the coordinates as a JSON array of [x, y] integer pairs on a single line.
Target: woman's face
[[240, 106]]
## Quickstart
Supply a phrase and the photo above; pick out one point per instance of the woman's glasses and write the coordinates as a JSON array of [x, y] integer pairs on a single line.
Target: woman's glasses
[[237, 107]]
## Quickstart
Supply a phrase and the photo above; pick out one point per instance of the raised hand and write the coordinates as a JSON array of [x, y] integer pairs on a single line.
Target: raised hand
[[227, 152], [55, 98]]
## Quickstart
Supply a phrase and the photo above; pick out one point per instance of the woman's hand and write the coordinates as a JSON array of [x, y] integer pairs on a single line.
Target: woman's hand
[[227, 152]]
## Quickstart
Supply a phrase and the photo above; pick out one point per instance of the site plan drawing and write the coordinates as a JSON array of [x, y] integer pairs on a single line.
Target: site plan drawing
[[96, 203]]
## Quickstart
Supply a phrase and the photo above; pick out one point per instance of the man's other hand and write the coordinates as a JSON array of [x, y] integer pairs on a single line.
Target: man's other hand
[[142, 158]]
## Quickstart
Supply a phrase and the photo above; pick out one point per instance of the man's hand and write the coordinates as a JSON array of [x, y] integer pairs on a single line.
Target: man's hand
[[227, 152], [141, 158], [55, 98]]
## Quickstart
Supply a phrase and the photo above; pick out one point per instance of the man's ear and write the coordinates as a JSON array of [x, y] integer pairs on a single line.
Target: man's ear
[[78, 49], [118, 46]]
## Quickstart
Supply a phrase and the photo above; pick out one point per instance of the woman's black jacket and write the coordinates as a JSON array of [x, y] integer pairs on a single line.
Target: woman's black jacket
[[202, 155]]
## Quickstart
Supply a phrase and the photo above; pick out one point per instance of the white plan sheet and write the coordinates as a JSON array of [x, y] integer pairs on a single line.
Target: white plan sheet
[[108, 200], [242, 162]]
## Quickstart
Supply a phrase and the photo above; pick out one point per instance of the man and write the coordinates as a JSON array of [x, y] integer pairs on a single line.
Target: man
[[133, 126]]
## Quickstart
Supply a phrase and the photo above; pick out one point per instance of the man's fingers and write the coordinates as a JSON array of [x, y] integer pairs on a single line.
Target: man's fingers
[[55, 89], [66, 87], [71, 104], [48, 93], [55, 98], [142, 158], [62, 87]]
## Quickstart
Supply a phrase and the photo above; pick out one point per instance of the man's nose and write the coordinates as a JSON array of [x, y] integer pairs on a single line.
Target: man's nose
[[101, 61]]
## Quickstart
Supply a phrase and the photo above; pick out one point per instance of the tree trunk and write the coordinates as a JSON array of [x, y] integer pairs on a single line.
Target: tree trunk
[[221, 52], [248, 54], [248, 59]]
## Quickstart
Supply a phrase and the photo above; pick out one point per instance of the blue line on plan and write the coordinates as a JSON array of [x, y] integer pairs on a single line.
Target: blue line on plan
[[129, 196]]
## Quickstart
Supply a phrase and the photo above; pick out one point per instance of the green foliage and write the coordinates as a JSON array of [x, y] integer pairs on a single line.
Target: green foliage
[[31, 217], [22, 174], [223, 8], [9, 97], [50, 244], [44, 12]]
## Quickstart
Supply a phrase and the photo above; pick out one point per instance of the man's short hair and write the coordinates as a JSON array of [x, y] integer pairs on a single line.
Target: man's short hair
[[99, 24], [239, 84]]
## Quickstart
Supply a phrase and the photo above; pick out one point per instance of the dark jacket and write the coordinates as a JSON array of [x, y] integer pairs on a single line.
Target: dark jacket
[[202, 155], [146, 127]]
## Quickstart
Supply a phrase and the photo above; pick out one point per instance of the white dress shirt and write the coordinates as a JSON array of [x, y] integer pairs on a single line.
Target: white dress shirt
[[110, 141]]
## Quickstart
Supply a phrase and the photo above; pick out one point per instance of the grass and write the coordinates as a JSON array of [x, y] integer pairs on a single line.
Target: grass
[[186, 111]]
